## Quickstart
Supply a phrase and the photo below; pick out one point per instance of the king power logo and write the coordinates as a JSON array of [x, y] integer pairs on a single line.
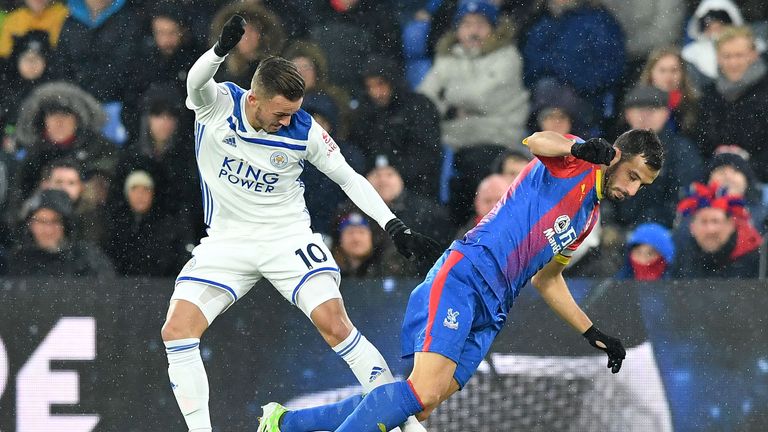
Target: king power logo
[[561, 234]]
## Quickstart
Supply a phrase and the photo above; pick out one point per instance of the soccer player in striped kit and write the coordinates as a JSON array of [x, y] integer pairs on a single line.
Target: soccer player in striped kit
[[454, 315]]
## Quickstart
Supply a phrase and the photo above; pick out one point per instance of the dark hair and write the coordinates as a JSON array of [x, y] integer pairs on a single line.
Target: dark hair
[[62, 163], [278, 76], [642, 142]]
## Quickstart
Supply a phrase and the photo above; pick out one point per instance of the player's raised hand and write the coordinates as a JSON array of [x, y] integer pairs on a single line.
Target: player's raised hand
[[411, 244], [595, 150], [231, 34], [610, 345]]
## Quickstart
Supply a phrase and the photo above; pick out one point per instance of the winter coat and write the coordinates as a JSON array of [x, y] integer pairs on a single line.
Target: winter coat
[[162, 69], [738, 258], [561, 47], [349, 38], [23, 20], [742, 122], [665, 17], [654, 235], [74, 260], [657, 202], [177, 188], [100, 54], [487, 87], [700, 52], [407, 133], [150, 245], [88, 147]]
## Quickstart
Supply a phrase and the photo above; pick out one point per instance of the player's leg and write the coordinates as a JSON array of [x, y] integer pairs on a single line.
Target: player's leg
[[332, 321], [431, 382], [193, 307]]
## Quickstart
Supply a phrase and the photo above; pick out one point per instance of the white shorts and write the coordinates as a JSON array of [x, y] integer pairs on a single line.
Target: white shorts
[[233, 263]]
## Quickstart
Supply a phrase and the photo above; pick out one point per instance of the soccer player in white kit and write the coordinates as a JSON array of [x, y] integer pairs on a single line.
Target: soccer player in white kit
[[251, 146]]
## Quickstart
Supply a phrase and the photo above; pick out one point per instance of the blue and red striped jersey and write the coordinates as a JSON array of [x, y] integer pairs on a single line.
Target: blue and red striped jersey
[[546, 213]]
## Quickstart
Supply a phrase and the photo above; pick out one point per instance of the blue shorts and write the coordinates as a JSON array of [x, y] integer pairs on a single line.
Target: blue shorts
[[452, 313]]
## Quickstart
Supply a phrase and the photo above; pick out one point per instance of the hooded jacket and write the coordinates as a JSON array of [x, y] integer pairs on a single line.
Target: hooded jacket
[[657, 237], [700, 52], [488, 86], [88, 147]]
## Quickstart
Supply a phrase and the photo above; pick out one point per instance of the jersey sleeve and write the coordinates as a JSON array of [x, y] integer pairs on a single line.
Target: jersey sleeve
[[564, 257], [208, 99], [565, 166], [219, 109], [322, 150]]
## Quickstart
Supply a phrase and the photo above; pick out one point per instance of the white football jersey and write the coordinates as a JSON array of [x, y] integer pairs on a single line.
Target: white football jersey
[[250, 179]]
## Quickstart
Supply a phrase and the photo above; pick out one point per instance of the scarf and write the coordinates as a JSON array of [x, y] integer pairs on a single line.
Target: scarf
[[733, 90], [648, 272]]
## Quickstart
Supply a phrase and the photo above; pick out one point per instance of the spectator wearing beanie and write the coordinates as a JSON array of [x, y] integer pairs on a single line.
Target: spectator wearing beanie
[[162, 149], [47, 247], [359, 255], [399, 124], [732, 173], [650, 253], [556, 107], [144, 241], [476, 82], [28, 67], [722, 242]]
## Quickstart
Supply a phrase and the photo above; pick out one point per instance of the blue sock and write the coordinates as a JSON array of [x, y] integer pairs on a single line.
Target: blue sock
[[383, 409], [326, 417]]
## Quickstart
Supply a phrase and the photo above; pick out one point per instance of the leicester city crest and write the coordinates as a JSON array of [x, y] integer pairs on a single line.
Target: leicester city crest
[[279, 159]]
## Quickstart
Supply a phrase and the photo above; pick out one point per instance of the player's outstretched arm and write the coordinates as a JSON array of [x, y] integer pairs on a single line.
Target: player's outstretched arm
[[552, 144], [409, 243], [551, 285], [201, 87]]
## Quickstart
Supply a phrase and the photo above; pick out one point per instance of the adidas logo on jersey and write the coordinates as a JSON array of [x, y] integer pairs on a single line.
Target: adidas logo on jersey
[[375, 373], [230, 140]]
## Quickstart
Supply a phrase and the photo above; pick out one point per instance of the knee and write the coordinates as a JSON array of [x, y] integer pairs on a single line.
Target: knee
[[171, 330], [430, 396], [174, 329], [424, 415]]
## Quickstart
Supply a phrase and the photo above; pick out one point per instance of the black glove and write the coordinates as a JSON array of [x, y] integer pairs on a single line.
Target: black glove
[[613, 347], [230, 35], [595, 150], [411, 244]]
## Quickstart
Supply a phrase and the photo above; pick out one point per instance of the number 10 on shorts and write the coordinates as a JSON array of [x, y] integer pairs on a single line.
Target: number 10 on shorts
[[314, 253]]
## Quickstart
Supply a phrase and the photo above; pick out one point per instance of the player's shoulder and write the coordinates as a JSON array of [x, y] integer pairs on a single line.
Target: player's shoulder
[[299, 128]]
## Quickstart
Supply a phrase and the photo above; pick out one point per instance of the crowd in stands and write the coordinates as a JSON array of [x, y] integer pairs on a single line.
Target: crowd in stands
[[429, 99]]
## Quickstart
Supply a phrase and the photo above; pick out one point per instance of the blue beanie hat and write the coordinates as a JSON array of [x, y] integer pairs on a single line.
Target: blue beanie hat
[[489, 10]]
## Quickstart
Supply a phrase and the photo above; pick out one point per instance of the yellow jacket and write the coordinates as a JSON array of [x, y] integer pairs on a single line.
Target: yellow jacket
[[22, 20]]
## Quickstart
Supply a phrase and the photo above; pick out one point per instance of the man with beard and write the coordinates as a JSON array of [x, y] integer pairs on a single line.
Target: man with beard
[[453, 316]]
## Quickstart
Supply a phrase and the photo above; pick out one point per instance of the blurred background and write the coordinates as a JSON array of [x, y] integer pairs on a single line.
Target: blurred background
[[100, 203]]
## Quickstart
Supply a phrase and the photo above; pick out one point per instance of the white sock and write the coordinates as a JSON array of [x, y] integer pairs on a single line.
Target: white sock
[[370, 368], [366, 362], [189, 382]]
